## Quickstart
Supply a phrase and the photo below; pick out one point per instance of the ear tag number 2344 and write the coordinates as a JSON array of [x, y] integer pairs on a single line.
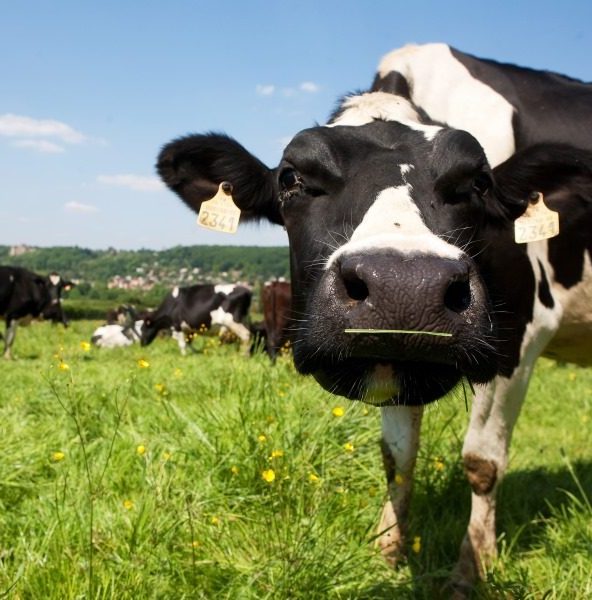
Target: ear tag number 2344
[[220, 213], [537, 223]]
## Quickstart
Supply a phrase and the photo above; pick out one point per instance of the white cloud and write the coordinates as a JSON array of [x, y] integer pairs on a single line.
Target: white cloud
[[138, 183], [79, 207], [40, 146], [26, 127], [265, 90], [309, 87]]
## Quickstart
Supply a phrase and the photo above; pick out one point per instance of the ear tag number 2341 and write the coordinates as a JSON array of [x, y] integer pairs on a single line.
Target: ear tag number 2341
[[537, 223], [220, 213]]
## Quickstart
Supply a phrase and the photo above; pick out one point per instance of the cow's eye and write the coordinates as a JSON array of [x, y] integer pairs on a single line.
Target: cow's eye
[[482, 183], [289, 179]]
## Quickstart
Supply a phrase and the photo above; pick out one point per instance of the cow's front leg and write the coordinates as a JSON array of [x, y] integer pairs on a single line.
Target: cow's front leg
[[400, 441], [9, 337], [485, 456]]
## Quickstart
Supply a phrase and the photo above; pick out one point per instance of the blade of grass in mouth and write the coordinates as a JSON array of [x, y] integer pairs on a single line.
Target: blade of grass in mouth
[[399, 331]]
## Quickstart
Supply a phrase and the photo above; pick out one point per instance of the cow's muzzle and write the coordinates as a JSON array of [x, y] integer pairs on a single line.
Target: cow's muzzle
[[423, 315]]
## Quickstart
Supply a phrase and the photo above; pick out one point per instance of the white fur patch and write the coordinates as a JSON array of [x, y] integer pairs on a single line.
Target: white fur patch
[[175, 292], [467, 103], [54, 279], [224, 288], [394, 221], [366, 108]]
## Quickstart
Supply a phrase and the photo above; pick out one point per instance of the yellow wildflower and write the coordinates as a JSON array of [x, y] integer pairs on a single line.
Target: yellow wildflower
[[277, 454], [161, 388], [268, 475], [438, 464], [572, 375], [195, 544], [399, 479], [128, 504], [215, 521], [234, 470], [57, 456], [313, 478], [141, 450], [338, 411], [85, 346], [143, 364], [63, 366], [416, 546], [166, 455], [178, 373], [348, 447], [261, 439]]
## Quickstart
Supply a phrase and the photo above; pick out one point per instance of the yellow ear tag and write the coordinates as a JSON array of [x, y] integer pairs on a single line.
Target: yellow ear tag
[[220, 213], [537, 223]]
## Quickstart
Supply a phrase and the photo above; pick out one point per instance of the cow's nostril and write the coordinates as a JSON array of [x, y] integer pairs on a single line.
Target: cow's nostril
[[458, 296], [356, 289]]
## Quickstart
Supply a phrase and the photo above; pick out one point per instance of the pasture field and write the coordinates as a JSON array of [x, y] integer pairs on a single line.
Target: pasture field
[[137, 473]]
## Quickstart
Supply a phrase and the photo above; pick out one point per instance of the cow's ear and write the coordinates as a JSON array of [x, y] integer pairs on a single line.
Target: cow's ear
[[194, 166]]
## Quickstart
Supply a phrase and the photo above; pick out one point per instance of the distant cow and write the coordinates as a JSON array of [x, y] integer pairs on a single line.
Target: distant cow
[[25, 294], [114, 335], [407, 277], [276, 304], [187, 309]]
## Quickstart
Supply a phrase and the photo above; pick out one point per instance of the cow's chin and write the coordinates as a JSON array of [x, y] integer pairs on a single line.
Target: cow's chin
[[389, 383]]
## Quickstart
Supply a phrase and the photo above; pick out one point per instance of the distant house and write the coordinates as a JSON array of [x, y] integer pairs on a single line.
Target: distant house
[[20, 249]]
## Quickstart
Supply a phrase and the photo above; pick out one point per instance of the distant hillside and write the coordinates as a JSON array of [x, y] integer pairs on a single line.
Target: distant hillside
[[181, 264]]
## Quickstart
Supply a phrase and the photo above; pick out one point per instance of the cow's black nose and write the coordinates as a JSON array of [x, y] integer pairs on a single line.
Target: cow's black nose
[[395, 291]]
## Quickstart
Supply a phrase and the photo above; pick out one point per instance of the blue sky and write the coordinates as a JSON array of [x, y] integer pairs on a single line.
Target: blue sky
[[90, 91]]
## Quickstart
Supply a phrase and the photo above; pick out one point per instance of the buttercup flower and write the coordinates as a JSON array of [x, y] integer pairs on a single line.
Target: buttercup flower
[[438, 464], [141, 450], [234, 470], [143, 364], [338, 411], [57, 456], [313, 478], [128, 504], [215, 521], [268, 475], [63, 366], [277, 454], [348, 447], [261, 439], [85, 346], [416, 546]]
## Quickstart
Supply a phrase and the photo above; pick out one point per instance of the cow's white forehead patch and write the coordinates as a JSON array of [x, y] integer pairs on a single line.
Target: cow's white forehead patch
[[175, 292], [372, 106], [55, 279], [394, 222]]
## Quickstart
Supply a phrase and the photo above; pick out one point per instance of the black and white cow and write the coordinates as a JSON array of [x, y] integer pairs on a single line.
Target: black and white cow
[[400, 216], [24, 294], [186, 310]]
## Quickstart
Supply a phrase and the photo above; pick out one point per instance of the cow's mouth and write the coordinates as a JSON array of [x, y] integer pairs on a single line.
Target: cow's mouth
[[389, 383]]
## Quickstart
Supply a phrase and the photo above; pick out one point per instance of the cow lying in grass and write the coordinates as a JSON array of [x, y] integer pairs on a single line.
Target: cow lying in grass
[[401, 215]]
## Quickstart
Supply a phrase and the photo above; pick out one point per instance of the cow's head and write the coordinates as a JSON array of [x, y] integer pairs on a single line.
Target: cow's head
[[54, 284], [151, 325], [382, 214]]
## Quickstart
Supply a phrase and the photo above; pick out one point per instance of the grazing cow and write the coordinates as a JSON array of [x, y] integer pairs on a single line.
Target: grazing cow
[[24, 294], [276, 303], [400, 214], [187, 309]]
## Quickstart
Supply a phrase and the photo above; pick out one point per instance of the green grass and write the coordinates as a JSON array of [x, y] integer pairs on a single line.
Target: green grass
[[192, 517]]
